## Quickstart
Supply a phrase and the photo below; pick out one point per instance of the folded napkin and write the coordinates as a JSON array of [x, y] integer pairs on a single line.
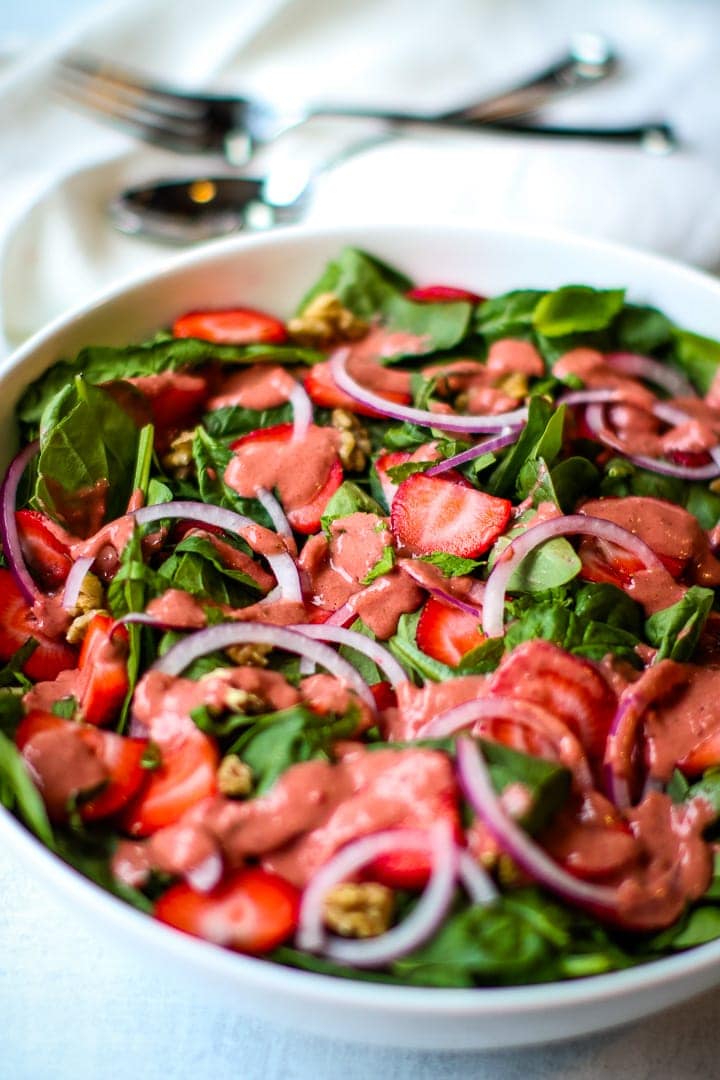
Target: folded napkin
[[58, 168]]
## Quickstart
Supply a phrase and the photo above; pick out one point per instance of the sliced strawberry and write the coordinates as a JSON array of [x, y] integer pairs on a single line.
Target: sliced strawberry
[[390, 460], [236, 326], [571, 688], [187, 773], [411, 869], [324, 391], [385, 696], [17, 624], [433, 294], [176, 398], [606, 562], [251, 911], [432, 513], [47, 557], [705, 755], [446, 633], [304, 519], [103, 662], [121, 757]]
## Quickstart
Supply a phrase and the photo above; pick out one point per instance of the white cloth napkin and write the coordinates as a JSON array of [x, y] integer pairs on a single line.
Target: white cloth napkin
[[58, 169]]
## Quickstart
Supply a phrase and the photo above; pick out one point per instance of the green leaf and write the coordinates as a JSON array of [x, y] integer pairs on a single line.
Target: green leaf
[[547, 783], [675, 630], [703, 504], [231, 421], [91, 854], [450, 565], [698, 357], [370, 289], [87, 442], [349, 499], [383, 566], [503, 478], [572, 479], [576, 308], [642, 330], [368, 670], [549, 566], [707, 788], [18, 792], [507, 316], [398, 473]]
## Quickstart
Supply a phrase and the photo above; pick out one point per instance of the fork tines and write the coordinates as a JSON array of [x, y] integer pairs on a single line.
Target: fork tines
[[165, 117]]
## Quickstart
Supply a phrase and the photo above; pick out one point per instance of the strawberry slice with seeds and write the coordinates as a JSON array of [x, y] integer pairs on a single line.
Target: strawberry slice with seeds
[[432, 513], [447, 633]]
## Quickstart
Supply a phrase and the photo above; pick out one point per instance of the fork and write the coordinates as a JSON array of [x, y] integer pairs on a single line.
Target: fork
[[236, 126]]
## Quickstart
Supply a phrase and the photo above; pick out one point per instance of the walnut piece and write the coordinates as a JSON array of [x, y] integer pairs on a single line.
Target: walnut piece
[[178, 460], [252, 654], [355, 442], [77, 629], [514, 385], [359, 910], [234, 777], [243, 701], [326, 322]]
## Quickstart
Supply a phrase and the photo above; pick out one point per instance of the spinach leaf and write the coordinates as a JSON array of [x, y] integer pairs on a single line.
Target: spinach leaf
[[275, 741], [90, 853], [507, 316], [450, 565], [211, 457], [369, 288], [621, 477], [11, 674], [698, 357], [18, 792], [196, 568], [11, 710], [642, 329], [573, 478], [707, 788], [231, 421], [574, 309], [86, 439], [675, 630], [369, 671], [105, 363], [703, 504], [503, 478], [547, 783], [349, 499], [404, 648]]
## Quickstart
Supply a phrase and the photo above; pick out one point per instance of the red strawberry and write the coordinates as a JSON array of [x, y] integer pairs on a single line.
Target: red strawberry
[[18, 623], [447, 633], [238, 326], [432, 513], [434, 294]]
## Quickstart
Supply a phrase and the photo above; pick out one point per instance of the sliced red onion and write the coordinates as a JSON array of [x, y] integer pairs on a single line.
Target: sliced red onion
[[75, 578], [281, 563], [302, 412], [365, 645], [653, 371], [222, 635], [478, 787], [343, 615], [588, 397], [566, 525], [477, 882], [489, 446], [525, 713], [275, 512], [463, 603], [595, 420], [669, 468], [670, 414], [141, 618], [420, 925], [8, 523], [443, 421]]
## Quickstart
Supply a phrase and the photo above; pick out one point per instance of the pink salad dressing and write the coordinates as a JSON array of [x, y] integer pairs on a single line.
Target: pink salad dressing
[[258, 387], [298, 470]]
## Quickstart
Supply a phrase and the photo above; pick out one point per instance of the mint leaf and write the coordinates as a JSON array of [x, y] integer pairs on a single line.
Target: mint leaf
[[450, 565], [383, 566]]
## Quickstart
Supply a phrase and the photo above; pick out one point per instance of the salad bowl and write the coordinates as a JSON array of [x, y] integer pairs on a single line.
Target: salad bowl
[[269, 273]]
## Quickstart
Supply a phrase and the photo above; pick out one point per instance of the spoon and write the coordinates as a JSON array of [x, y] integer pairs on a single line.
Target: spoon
[[185, 211]]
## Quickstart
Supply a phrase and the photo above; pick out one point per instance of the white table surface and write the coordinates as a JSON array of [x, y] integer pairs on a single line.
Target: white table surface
[[73, 1006]]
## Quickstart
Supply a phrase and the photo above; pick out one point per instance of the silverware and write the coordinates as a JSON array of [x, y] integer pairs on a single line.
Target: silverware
[[235, 126]]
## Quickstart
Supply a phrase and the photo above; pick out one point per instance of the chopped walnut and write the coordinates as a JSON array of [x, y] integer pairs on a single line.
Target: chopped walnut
[[77, 629], [326, 322], [514, 385], [252, 654], [508, 871], [178, 460], [359, 910], [355, 442], [244, 702], [90, 597], [234, 777]]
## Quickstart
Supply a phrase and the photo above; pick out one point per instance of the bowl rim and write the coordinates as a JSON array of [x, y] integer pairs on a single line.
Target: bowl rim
[[315, 987]]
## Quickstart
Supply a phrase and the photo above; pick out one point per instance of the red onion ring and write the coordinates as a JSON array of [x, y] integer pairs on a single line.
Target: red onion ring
[[343, 615], [477, 882], [222, 635], [489, 446], [671, 415], [365, 645], [653, 371], [442, 421], [515, 552], [281, 563], [275, 512], [475, 781], [588, 397], [74, 580], [526, 713], [302, 412], [420, 925], [8, 523]]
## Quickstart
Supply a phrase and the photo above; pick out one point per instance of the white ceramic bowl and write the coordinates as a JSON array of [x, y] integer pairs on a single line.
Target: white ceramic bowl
[[272, 272]]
